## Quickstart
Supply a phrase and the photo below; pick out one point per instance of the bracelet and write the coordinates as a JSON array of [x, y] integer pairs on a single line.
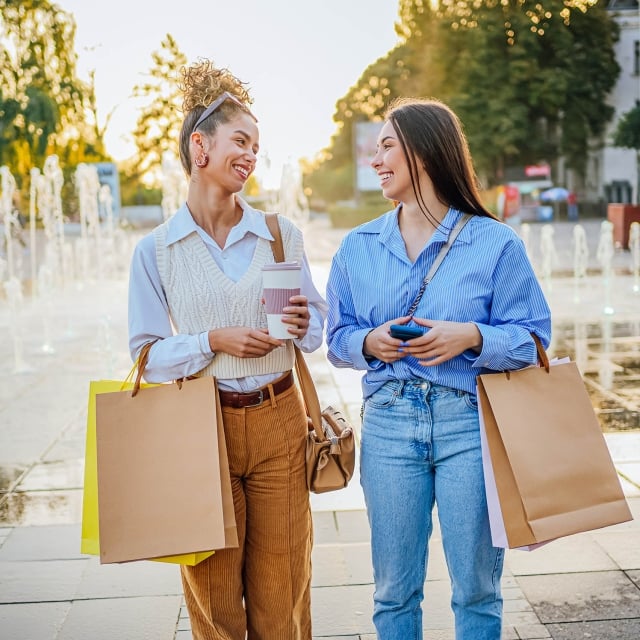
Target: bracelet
[[367, 357]]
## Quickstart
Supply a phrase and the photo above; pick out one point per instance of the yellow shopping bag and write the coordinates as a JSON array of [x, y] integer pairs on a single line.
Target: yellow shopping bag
[[90, 542]]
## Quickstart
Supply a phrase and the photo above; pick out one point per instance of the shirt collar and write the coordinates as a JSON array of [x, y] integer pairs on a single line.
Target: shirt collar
[[181, 224], [386, 226]]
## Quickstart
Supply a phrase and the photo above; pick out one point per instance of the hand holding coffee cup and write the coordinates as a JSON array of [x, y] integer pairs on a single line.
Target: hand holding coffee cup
[[280, 281]]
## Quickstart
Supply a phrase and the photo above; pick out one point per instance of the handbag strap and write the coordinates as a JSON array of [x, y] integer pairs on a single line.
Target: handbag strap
[[276, 243], [307, 387], [438, 261], [309, 395]]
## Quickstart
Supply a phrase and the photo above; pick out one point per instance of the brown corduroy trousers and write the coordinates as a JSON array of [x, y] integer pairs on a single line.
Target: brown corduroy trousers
[[262, 589]]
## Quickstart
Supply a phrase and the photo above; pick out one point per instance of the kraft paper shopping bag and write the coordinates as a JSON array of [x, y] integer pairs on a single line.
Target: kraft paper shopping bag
[[200, 453], [159, 490], [230, 529], [90, 541], [553, 472]]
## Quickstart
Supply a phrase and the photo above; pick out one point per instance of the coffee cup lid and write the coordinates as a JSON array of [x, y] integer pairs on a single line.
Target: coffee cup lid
[[281, 266]]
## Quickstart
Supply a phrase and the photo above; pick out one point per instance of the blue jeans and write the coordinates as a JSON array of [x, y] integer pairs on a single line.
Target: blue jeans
[[420, 446]]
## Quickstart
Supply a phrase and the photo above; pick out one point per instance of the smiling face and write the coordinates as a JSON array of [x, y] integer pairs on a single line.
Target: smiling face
[[232, 151], [391, 166]]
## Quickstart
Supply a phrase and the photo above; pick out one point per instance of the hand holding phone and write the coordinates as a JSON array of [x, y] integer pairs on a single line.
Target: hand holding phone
[[404, 332]]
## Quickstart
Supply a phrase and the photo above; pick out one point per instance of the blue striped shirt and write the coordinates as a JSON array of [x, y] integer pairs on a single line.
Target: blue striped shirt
[[486, 278]]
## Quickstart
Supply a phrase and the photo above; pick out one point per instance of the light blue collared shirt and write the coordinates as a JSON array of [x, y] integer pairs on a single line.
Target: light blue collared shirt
[[177, 356], [486, 278]]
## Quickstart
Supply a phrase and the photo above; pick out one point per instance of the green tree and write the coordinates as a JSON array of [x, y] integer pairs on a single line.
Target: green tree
[[98, 130], [528, 78], [627, 135], [158, 127], [488, 52], [42, 101], [399, 72]]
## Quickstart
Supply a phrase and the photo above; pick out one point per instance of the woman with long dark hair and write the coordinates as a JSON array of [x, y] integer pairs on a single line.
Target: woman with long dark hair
[[420, 443]]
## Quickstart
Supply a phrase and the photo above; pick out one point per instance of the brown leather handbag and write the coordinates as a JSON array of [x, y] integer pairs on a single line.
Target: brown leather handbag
[[331, 448]]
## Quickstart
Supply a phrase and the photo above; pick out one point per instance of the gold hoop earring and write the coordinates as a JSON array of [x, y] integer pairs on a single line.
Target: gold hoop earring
[[202, 160]]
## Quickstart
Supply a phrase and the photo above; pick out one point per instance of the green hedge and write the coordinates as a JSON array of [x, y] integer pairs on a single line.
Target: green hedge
[[347, 216]]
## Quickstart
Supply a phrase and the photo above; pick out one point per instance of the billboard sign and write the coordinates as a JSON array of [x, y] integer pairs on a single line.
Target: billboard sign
[[366, 135]]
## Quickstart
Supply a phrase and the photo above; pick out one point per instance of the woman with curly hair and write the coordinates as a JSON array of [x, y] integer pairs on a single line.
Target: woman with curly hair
[[196, 294]]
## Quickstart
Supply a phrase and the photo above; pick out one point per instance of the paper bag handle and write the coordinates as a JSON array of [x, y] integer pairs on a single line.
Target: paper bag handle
[[543, 359], [141, 364]]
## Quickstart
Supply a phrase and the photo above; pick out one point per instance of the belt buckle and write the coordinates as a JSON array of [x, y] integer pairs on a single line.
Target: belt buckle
[[260, 393]]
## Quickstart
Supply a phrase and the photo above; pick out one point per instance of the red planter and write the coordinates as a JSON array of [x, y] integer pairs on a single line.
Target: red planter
[[622, 215]]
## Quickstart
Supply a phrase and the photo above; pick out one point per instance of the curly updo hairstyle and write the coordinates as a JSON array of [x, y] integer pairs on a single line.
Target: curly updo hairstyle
[[201, 83]]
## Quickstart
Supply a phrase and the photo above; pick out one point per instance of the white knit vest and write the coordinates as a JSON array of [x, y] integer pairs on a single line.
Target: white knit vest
[[201, 297]]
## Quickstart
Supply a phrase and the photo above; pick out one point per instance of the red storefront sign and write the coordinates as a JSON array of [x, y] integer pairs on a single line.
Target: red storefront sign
[[537, 170]]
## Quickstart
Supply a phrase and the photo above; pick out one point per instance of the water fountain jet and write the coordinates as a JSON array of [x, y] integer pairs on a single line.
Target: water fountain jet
[[580, 259], [605, 253]]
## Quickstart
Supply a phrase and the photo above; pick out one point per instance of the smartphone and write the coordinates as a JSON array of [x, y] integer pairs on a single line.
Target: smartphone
[[403, 332]]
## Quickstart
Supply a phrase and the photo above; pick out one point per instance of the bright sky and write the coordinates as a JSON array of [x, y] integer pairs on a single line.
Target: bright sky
[[298, 57]]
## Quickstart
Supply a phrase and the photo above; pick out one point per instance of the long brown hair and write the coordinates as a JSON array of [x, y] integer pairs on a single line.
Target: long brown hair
[[431, 133]]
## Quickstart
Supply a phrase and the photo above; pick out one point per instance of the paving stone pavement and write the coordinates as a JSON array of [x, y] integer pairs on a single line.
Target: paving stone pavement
[[583, 586]]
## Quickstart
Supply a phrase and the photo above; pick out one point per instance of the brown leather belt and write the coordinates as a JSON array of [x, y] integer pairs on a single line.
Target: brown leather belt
[[242, 400]]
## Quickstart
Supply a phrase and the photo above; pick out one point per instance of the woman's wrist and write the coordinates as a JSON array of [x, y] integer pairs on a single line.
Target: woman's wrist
[[211, 339], [476, 338], [367, 356]]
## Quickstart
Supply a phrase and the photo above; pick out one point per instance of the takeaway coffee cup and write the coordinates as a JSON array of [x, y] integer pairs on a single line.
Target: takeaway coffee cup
[[280, 281]]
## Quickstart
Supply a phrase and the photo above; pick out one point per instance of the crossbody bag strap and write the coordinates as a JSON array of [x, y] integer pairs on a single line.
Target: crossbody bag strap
[[305, 381], [276, 245], [438, 261]]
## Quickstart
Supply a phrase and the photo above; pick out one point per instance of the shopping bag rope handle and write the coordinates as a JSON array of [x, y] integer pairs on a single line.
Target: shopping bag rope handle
[[543, 359], [307, 387], [141, 364]]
